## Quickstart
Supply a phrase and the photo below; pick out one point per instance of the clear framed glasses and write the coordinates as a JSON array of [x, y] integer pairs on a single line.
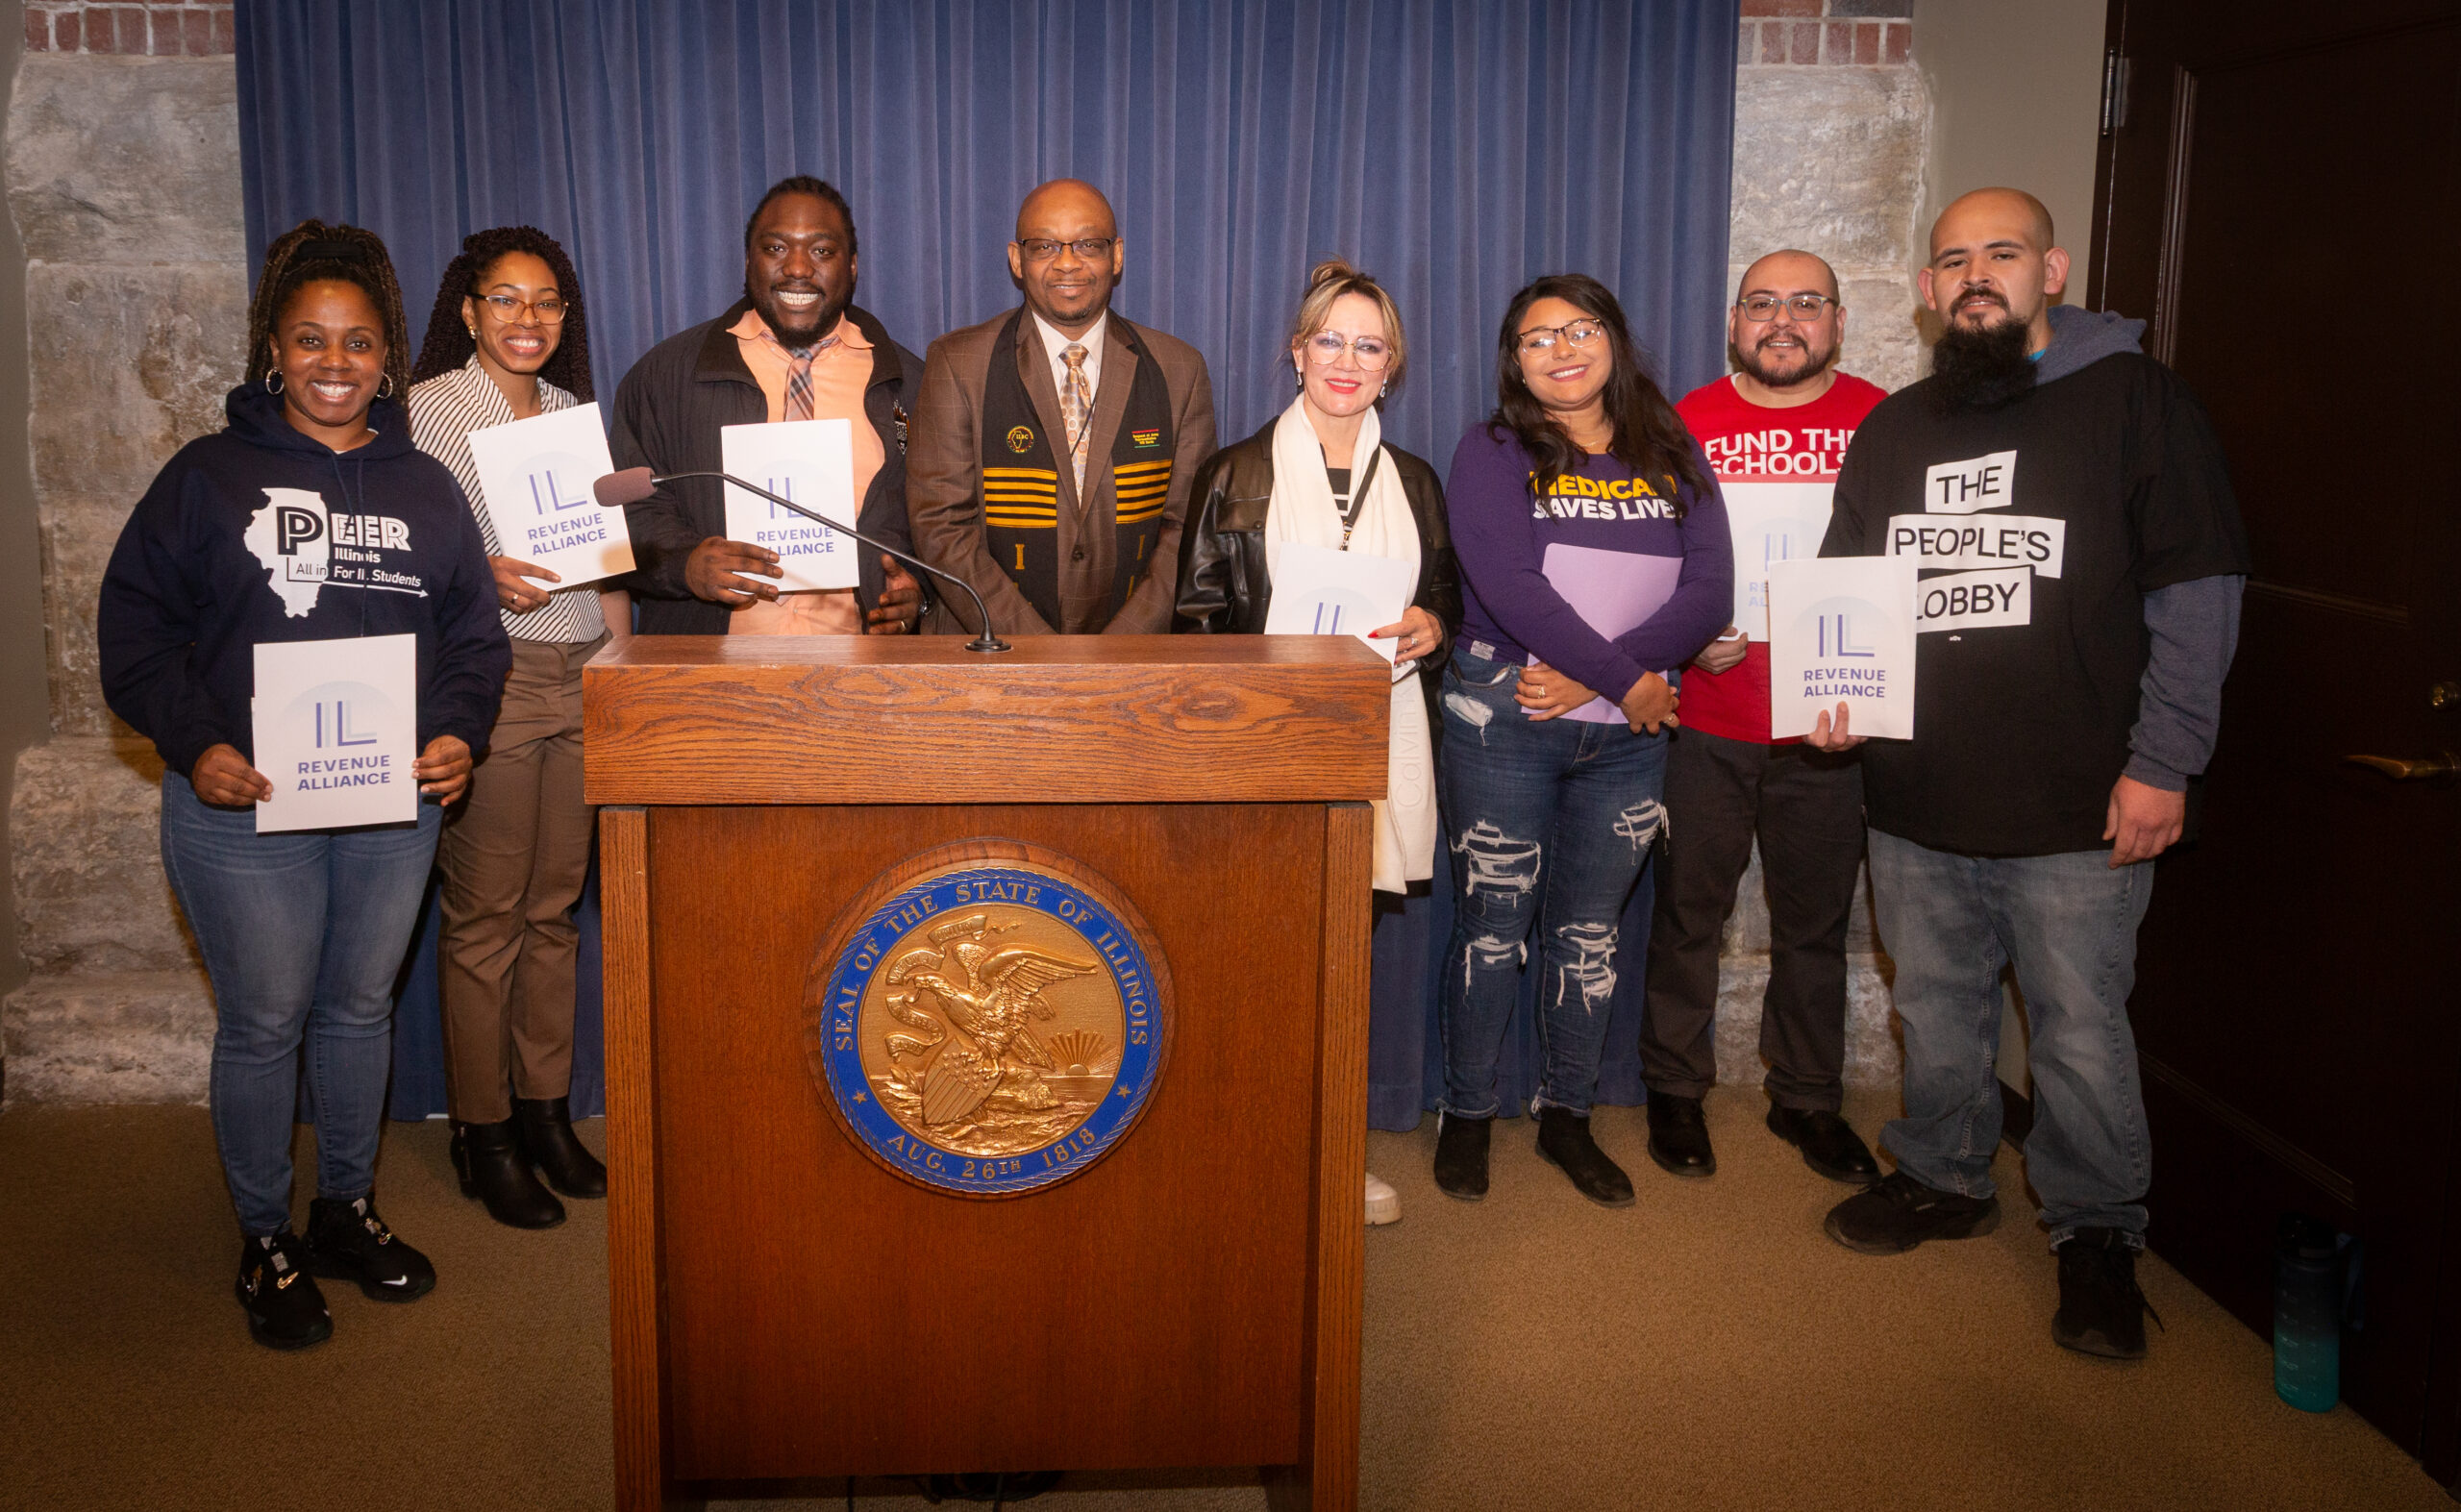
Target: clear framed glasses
[[1762, 309], [1042, 249], [1326, 348], [509, 311], [1539, 341]]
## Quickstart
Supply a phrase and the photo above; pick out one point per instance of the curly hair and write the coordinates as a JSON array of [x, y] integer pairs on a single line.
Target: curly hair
[[314, 251], [449, 342], [1649, 437]]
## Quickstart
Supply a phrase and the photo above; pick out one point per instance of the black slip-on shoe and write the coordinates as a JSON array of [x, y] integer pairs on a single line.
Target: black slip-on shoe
[[2102, 1309], [495, 1169], [1829, 1143], [347, 1241], [1461, 1155], [285, 1310], [547, 1138], [1680, 1136], [1899, 1212], [1564, 1142]]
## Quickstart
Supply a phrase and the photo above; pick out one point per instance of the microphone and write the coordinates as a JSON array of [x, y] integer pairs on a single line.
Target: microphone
[[635, 484]]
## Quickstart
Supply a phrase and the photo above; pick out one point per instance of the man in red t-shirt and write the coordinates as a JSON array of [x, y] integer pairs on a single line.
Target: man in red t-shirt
[[1776, 432]]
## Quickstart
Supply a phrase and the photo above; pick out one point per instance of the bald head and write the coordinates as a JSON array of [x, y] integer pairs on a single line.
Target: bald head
[[1996, 210], [1785, 328], [1783, 273], [1068, 255], [1993, 263]]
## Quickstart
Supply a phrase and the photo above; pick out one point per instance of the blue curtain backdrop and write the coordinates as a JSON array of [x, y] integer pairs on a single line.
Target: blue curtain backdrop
[[1457, 148]]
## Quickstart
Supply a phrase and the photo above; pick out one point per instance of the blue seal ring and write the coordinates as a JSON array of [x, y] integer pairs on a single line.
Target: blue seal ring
[[897, 928]]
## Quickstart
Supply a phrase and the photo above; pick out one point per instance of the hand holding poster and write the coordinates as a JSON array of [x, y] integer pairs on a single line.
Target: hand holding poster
[[812, 462], [336, 731], [1320, 591], [1842, 633], [536, 475]]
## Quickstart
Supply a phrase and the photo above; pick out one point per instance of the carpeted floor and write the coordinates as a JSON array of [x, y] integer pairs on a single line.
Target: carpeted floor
[[1707, 1347]]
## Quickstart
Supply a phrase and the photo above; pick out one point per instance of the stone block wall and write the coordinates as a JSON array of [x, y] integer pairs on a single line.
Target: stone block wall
[[121, 173]]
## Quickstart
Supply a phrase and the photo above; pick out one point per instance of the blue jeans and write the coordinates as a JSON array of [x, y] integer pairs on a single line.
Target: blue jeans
[[303, 936], [1547, 821], [2069, 922]]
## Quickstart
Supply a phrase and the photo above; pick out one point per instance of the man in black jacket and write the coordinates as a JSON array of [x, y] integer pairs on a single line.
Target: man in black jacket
[[795, 347]]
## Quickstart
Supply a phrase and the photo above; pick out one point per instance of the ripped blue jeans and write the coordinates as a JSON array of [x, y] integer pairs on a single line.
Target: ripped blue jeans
[[1549, 824]]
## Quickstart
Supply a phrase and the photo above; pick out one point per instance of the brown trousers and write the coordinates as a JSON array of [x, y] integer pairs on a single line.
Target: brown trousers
[[513, 861]]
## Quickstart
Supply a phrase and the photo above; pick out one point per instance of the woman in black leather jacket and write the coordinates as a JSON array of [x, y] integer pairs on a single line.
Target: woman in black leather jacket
[[1318, 475]]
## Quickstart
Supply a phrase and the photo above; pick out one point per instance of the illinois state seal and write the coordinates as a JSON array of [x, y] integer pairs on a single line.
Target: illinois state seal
[[993, 1021]]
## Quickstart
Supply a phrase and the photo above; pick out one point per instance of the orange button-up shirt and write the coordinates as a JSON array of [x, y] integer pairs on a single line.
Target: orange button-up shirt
[[840, 372]]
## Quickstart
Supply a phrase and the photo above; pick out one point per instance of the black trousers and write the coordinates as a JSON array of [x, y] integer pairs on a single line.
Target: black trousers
[[1806, 807]]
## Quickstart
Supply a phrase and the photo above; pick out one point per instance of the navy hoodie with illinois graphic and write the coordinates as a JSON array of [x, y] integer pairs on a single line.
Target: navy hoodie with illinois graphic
[[260, 533]]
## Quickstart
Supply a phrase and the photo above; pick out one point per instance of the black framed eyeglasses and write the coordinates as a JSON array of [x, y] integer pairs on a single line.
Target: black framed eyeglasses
[[1760, 308], [1042, 249]]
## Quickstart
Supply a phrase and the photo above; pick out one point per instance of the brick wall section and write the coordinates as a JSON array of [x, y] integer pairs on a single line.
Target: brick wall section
[[1829, 33], [193, 29]]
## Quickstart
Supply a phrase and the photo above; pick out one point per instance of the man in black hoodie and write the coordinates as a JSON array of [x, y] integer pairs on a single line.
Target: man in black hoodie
[[795, 347], [2080, 558]]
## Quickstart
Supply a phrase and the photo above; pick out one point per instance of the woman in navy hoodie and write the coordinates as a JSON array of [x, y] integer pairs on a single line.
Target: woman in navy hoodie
[[302, 932], [1594, 563]]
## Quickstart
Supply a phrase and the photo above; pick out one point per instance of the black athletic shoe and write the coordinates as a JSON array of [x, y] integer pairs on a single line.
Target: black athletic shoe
[[285, 1310], [1564, 1142], [1900, 1212], [1680, 1136], [1829, 1143], [2102, 1311], [349, 1242], [1461, 1155]]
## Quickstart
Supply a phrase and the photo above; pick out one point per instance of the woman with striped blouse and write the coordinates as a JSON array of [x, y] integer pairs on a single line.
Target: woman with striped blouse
[[508, 341]]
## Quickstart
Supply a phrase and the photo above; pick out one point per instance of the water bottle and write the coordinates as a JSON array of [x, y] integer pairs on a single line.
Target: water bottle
[[2306, 1315]]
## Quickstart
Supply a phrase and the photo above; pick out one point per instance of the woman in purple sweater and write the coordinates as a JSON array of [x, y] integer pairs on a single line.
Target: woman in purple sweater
[[1595, 562]]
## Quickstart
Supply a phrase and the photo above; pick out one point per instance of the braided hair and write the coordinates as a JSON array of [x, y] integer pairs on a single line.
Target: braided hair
[[313, 252], [449, 342]]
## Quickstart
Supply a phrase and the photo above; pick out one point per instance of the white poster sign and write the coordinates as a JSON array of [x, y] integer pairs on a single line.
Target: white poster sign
[[1770, 522], [1320, 591], [537, 476], [1842, 632], [812, 462], [336, 729]]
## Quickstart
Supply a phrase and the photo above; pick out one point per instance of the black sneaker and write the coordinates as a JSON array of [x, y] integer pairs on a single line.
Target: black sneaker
[[1461, 1155], [1900, 1212], [2102, 1311], [1680, 1136], [285, 1310], [1829, 1143], [348, 1241], [1565, 1143]]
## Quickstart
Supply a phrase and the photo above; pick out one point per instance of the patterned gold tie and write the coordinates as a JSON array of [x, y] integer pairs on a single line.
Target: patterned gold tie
[[1076, 408], [799, 382]]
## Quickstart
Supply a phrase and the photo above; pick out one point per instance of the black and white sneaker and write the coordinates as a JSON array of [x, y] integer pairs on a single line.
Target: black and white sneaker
[[348, 1241], [2102, 1309], [285, 1310]]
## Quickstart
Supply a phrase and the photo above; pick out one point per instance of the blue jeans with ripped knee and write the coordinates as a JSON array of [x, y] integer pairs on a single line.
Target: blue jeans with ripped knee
[[2068, 924], [1549, 824]]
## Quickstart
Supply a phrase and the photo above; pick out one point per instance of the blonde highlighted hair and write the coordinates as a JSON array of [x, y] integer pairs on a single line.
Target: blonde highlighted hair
[[1328, 282]]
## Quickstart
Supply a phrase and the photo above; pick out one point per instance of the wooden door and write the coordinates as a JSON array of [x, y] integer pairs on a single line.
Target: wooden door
[[2278, 195]]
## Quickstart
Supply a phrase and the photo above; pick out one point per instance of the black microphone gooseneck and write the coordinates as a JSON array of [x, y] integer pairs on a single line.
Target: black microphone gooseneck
[[985, 642]]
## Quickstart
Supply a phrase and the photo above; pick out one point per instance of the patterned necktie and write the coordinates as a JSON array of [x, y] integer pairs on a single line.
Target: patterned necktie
[[1076, 408], [799, 382]]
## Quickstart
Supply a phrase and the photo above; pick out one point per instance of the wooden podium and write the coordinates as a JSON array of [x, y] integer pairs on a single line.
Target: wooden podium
[[786, 1306]]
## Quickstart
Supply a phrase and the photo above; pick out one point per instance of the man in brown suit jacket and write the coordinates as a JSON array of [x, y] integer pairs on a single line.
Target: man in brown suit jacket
[[1051, 452]]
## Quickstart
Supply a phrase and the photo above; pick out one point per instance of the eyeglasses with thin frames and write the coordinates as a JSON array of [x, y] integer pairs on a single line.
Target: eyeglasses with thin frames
[[1538, 341], [1762, 309], [1326, 348], [508, 310], [1042, 249]]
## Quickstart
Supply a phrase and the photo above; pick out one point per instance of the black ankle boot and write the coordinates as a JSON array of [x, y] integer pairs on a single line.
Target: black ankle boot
[[1461, 1155], [1564, 1141], [547, 1137], [489, 1158]]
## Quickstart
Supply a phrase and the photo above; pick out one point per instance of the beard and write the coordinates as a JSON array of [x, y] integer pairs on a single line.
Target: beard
[[1818, 361], [1982, 368], [800, 331]]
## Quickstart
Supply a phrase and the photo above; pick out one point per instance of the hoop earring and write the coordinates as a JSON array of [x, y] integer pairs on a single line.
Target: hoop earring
[[385, 390], [273, 382]]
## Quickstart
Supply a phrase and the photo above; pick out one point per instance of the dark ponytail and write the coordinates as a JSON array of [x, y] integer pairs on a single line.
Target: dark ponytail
[[1649, 437]]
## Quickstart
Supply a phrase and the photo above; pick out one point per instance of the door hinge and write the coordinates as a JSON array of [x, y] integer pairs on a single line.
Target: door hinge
[[2114, 91]]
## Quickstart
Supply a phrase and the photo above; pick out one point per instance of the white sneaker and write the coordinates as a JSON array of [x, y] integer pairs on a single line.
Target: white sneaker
[[1384, 1204]]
